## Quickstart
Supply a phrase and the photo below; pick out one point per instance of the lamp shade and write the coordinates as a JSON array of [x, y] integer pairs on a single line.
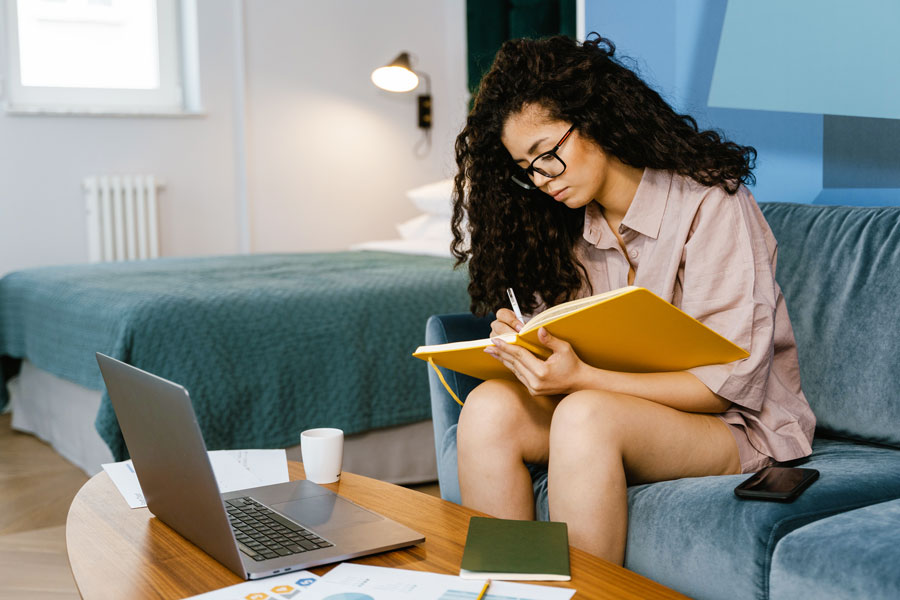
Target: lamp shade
[[396, 76]]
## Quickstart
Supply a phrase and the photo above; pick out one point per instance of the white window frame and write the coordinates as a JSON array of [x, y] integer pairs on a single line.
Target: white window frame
[[178, 92]]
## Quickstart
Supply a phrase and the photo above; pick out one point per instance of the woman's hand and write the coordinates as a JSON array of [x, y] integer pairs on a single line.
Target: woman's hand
[[506, 322], [559, 374]]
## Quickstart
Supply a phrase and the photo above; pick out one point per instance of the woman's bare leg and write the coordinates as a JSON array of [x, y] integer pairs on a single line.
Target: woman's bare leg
[[601, 442], [502, 427]]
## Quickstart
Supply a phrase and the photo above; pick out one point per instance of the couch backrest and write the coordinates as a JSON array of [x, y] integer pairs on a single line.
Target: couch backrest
[[839, 268]]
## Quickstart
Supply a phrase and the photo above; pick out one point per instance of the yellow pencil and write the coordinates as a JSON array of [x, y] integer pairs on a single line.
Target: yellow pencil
[[483, 591]]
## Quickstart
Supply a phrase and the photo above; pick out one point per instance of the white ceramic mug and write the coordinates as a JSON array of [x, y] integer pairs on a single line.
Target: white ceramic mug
[[322, 451]]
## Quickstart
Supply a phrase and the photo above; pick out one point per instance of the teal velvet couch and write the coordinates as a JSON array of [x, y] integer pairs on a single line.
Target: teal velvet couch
[[839, 268]]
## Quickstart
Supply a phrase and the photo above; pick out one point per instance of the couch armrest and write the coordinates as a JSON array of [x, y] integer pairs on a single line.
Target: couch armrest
[[441, 329]]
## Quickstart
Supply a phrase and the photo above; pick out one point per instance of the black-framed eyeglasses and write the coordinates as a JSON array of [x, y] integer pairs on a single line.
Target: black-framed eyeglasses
[[548, 164]]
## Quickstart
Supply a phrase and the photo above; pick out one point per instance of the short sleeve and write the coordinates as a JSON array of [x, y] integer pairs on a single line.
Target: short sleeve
[[729, 286]]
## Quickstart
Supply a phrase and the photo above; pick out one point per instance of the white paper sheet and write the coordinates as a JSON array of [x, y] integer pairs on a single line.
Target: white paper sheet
[[234, 470], [280, 587], [362, 582]]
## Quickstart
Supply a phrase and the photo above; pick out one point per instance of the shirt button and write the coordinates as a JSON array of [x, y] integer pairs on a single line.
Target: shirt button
[[634, 254]]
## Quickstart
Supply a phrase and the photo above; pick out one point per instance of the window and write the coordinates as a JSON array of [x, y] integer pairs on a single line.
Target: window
[[99, 56]]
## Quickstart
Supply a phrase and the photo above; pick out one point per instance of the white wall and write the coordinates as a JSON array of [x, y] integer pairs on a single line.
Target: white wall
[[43, 160], [328, 156]]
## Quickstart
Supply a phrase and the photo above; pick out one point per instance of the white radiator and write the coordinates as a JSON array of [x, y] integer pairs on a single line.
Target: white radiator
[[121, 217]]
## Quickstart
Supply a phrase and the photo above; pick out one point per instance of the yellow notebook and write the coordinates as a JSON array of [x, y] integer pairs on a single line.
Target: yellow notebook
[[629, 329]]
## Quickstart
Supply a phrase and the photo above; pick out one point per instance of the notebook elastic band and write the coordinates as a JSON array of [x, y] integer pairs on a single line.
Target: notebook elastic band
[[444, 381]]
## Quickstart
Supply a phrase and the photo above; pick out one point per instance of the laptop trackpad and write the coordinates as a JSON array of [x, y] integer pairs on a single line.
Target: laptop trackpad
[[326, 512]]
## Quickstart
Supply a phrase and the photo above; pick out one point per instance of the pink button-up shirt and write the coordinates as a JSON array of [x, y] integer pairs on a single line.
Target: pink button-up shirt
[[713, 256]]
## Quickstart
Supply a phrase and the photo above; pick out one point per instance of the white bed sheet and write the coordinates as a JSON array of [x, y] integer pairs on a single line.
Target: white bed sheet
[[62, 414], [425, 247]]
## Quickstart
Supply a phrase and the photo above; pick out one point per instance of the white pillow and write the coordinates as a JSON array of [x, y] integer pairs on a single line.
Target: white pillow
[[426, 227], [433, 198]]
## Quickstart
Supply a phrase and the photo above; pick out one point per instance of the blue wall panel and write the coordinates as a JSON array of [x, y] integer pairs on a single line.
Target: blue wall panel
[[621, 22], [675, 43]]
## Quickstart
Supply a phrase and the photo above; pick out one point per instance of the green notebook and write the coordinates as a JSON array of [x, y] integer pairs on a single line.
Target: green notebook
[[523, 550]]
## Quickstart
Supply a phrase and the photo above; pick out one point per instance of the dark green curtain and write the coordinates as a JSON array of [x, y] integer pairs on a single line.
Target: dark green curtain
[[489, 23]]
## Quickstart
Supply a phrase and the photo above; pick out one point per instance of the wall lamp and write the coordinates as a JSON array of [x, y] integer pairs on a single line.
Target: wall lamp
[[398, 76]]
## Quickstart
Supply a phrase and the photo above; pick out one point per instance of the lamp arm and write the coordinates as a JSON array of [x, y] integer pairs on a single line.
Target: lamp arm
[[427, 81]]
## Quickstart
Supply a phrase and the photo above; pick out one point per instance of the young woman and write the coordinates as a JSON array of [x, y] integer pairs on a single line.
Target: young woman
[[576, 178]]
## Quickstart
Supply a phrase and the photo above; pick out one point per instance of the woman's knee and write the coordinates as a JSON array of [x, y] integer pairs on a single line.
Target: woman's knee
[[491, 410], [589, 417]]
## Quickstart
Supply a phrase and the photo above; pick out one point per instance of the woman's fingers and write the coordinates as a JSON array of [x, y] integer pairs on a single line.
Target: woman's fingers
[[508, 318], [539, 376], [517, 368], [516, 358]]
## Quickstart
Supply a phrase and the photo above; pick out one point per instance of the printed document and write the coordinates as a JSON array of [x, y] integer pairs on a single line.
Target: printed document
[[234, 470], [290, 586], [363, 582]]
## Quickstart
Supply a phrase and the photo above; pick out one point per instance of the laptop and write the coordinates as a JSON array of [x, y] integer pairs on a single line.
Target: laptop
[[255, 532]]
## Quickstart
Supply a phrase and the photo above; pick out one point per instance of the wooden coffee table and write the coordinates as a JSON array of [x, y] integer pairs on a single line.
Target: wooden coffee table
[[119, 552]]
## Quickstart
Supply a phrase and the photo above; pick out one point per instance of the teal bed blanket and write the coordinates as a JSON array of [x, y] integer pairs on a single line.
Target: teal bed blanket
[[267, 345]]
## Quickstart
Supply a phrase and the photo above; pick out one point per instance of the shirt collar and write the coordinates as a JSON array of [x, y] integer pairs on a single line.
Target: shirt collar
[[645, 214], [596, 230]]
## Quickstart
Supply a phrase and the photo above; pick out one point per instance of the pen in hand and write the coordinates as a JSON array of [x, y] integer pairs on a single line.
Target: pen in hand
[[515, 305]]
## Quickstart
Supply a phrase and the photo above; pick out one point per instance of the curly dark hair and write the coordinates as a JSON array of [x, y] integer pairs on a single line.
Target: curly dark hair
[[520, 238]]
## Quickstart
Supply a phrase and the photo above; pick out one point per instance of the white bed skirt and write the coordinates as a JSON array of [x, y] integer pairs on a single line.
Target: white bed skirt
[[62, 414]]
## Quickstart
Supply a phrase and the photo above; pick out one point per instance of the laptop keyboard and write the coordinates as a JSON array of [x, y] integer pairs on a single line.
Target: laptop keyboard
[[263, 534]]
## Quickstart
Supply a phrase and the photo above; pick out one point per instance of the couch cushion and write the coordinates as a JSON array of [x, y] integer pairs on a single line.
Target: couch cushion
[[695, 536], [852, 555], [839, 268]]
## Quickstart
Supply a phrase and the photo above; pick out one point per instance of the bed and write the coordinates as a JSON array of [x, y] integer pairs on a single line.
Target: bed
[[267, 345]]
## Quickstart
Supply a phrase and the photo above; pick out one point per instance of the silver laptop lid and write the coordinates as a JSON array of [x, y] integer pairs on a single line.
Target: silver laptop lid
[[170, 459], [174, 469]]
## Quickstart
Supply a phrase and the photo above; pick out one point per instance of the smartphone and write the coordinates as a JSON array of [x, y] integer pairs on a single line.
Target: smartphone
[[781, 484]]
